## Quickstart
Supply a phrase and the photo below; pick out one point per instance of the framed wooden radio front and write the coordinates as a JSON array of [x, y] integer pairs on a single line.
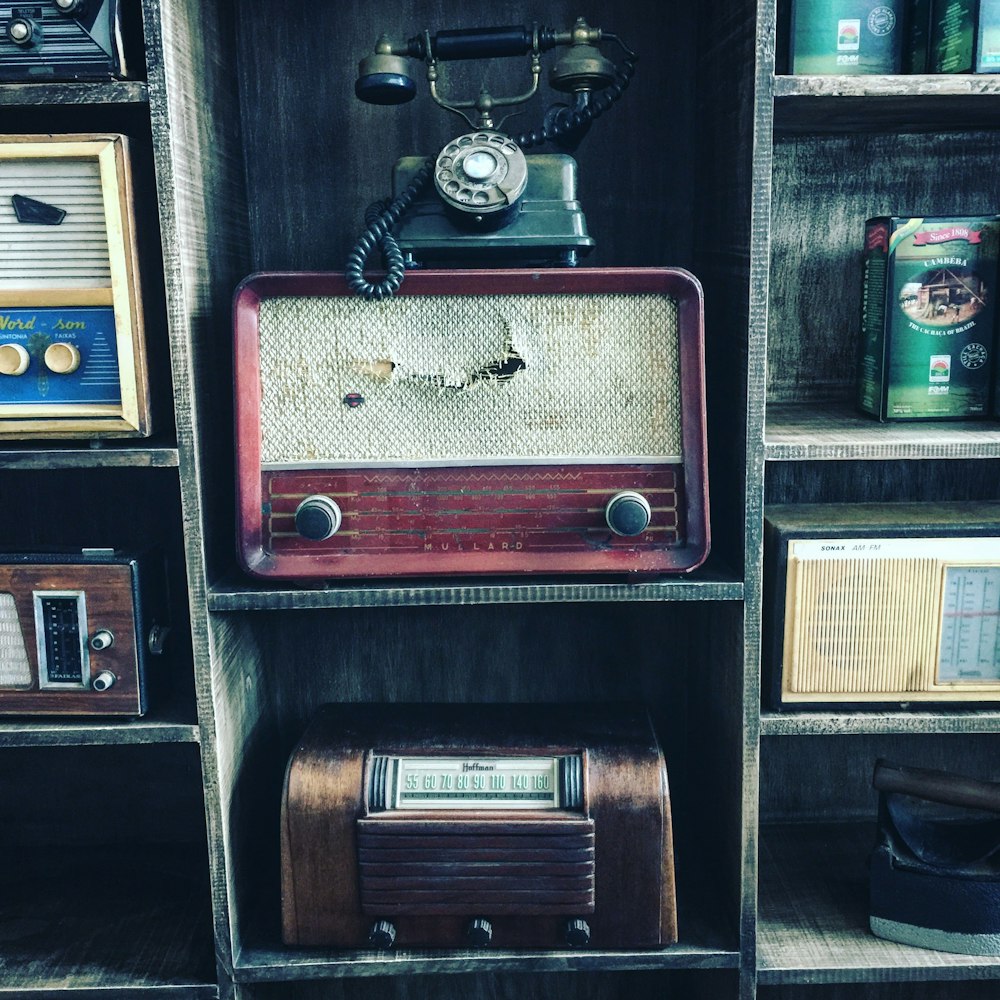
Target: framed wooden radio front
[[72, 349]]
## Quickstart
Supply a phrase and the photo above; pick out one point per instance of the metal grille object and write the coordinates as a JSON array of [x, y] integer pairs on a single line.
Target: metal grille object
[[439, 380]]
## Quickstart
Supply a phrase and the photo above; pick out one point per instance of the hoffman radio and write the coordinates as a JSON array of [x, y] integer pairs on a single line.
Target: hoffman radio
[[882, 603], [448, 826], [75, 633], [72, 354], [61, 40], [506, 421]]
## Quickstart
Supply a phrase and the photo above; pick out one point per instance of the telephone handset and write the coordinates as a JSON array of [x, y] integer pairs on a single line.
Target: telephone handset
[[487, 199]]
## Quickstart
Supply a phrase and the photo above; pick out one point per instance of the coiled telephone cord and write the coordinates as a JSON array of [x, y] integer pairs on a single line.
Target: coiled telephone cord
[[381, 216]]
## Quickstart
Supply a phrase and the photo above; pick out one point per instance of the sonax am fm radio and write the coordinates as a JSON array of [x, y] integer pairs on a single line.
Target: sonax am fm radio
[[76, 631], [72, 353], [61, 40], [510, 421], [517, 826], [874, 604]]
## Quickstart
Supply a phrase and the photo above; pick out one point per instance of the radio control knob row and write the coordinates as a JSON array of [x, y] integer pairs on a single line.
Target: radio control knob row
[[479, 933], [318, 517], [59, 358]]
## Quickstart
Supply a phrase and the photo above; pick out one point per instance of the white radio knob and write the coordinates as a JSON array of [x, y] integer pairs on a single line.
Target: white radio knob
[[21, 31], [628, 513], [62, 359], [102, 639], [14, 359], [103, 680]]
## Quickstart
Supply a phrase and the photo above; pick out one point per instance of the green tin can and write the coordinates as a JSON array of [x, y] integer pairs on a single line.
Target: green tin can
[[846, 36], [928, 317]]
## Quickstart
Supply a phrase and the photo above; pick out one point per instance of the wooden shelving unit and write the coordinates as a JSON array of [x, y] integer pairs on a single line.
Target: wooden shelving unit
[[253, 155]]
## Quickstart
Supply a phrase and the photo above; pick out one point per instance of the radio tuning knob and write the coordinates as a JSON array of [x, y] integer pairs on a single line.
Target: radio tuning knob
[[628, 513], [22, 31], [577, 933], [61, 359], [479, 932], [14, 359], [103, 680], [102, 639], [382, 934], [317, 518], [71, 6]]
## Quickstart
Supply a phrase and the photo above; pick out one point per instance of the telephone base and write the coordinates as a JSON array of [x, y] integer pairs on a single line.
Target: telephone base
[[548, 229]]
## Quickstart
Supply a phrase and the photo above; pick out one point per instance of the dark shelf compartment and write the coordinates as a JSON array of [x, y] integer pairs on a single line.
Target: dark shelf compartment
[[135, 924], [813, 916]]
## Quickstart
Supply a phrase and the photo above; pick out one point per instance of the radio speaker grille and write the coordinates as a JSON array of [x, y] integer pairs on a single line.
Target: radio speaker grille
[[15, 671], [72, 254], [861, 626], [406, 868], [471, 378]]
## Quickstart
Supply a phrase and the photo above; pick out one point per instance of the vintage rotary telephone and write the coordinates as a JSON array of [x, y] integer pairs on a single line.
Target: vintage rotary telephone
[[487, 200]]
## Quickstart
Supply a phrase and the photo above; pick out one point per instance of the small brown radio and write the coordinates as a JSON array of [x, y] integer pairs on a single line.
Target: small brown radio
[[874, 604], [72, 353], [477, 422], [458, 826], [75, 633]]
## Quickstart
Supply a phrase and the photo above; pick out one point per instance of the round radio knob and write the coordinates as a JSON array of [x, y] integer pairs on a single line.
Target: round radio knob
[[577, 933], [382, 934], [21, 30], [317, 518], [479, 932], [102, 639], [103, 680], [71, 6], [628, 513], [14, 359], [62, 359]]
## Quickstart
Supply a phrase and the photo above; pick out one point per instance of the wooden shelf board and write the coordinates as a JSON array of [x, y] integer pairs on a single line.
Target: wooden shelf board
[[813, 915], [704, 944], [111, 454], [889, 721], [263, 965], [835, 431], [90, 92], [829, 104], [142, 930], [239, 593], [153, 728]]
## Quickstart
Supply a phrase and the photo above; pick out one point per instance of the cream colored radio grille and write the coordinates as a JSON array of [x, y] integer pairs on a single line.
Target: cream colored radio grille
[[72, 254], [15, 671], [413, 380], [918, 619]]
